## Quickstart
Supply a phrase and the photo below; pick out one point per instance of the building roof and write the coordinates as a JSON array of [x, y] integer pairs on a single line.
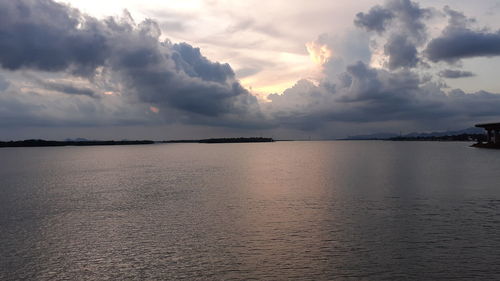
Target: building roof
[[489, 126]]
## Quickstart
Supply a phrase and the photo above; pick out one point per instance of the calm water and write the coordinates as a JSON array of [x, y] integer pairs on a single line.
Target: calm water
[[269, 211]]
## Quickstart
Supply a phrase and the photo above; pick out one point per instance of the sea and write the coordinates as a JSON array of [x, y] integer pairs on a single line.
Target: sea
[[291, 210]]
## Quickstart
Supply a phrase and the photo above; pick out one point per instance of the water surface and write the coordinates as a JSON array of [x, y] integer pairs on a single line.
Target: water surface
[[266, 211]]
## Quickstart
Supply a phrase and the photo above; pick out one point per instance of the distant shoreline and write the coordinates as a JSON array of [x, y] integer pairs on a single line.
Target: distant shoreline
[[50, 143], [223, 140], [444, 138]]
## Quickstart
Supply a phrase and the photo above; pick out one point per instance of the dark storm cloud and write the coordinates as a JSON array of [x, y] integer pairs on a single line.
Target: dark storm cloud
[[177, 78], [191, 61], [404, 16], [452, 74], [375, 20], [401, 52], [464, 43], [411, 17], [459, 41], [403, 20], [367, 95], [68, 88], [44, 35], [29, 108]]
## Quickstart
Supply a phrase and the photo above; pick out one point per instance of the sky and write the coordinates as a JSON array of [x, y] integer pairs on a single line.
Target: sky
[[297, 69]]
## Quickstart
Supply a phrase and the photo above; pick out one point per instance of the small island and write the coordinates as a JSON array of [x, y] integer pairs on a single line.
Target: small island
[[224, 140], [40, 143]]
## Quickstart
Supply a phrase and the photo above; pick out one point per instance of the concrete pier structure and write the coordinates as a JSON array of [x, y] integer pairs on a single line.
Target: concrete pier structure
[[492, 135]]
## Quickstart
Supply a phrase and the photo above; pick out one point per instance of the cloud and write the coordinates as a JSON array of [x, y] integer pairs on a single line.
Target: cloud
[[403, 21], [459, 41], [247, 71], [172, 26], [250, 24], [464, 43], [176, 78], [375, 20], [68, 88], [369, 95], [190, 60], [48, 36], [154, 80], [453, 74], [4, 84], [169, 20], [20, 108], [404, 16], [402, 53], [359, 94], [335, 52], [319, 53]]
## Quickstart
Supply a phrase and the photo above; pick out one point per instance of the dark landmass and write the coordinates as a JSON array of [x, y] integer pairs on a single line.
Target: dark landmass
[[461, 137], [38, 143], [223, 140], [469, 134], [236, 140], [468, 131], [85, 142], [376, 136]]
